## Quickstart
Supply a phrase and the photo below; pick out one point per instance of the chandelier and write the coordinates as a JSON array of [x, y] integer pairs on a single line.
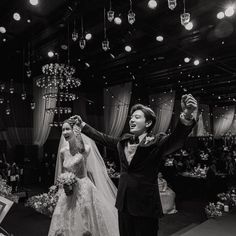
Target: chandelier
[[62, 96], [58, 75], [56, 124], [59, 110]]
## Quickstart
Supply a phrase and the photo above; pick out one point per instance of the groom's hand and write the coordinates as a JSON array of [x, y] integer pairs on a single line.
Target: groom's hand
[[78, 119], [188, 104]]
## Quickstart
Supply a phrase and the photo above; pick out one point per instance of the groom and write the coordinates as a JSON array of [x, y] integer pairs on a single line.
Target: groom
[[138, 200]]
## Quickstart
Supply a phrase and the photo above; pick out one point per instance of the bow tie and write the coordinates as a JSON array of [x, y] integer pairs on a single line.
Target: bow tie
[[134, 140]]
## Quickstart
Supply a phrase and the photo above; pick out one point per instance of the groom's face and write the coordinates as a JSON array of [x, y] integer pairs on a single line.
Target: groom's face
[[138, 124]]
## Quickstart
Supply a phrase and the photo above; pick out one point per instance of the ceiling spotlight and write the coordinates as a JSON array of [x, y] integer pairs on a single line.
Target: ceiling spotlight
[[51, 54], [4, 40], [34, 2], [229, 11], [189, 26], [128, 48], [16, 16], [28, 21], [152, 4], [117, 20], [159, 38], [64, 47], [3, 30], [88, 36], [87, 64], [196, 62], [220, 15], [112, 56], [186, 59]]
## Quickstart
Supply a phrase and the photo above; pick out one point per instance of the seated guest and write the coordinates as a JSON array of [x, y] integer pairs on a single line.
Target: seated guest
[[167, 196]]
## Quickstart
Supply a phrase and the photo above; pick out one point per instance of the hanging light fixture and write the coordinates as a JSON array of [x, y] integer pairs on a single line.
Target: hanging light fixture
[[110, 14], [131, 14], [172, 4], [8, 109], [75, 34], [28, 70], [2, 86], [105, 42], [23, 94], [32, 105], [11, 89], [185, 17], [82, 41]]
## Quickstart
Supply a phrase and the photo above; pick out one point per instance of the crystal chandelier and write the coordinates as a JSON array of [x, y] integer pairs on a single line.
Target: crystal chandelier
[[62, 96], [56, 124], [57, 75], [59, 110]]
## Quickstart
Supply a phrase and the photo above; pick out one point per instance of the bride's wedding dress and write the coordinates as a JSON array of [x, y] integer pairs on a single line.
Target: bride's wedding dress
[[85, 212]]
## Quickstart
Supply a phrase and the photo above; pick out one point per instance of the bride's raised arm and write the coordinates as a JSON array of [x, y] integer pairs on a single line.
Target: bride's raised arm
[[82, 147]]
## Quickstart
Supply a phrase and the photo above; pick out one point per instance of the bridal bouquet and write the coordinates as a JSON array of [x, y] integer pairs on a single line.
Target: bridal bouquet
[[44, 203], [67, 180]]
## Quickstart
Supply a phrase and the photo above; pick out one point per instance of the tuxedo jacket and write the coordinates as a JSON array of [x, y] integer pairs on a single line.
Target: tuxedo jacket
[[138, 192]]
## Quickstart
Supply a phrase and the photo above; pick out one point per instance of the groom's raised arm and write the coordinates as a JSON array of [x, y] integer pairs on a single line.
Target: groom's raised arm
[[104, 139], [174, 141]]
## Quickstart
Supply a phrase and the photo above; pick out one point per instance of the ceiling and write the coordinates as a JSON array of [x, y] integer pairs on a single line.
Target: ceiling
[[155, 66]]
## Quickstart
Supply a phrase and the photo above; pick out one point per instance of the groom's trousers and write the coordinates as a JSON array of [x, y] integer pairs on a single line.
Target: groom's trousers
[[137, 225]]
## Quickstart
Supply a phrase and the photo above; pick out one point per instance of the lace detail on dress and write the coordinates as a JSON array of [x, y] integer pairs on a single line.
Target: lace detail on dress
[[85, 212]]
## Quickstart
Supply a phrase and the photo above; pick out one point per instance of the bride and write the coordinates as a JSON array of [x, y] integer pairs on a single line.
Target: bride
[[90, 210]]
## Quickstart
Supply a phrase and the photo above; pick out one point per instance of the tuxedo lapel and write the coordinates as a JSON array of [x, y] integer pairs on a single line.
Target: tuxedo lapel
[[123, 142]]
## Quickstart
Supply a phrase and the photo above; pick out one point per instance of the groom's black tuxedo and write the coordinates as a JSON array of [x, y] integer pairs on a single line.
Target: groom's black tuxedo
[[138, 192]]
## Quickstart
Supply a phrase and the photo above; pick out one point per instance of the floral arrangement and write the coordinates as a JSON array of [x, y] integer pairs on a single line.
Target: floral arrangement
[[5, 190], [212, 210], [67, 180], [44, 203], [111, 170], [228, 198]]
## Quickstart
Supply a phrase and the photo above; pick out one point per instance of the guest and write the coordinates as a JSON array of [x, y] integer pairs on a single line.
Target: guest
[[167, 196]]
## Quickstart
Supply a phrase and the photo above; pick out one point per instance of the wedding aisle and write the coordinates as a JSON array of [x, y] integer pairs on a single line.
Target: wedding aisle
[[24, 221]]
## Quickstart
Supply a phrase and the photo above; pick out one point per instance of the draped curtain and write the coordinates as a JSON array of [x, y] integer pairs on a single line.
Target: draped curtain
[[223, 119], [116, 107], [17, 136], [162, 104], [203, 127], [41, 118], [232, 129], [16, 128]]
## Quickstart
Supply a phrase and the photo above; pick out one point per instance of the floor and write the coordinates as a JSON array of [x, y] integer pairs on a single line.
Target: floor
[[22, 221]]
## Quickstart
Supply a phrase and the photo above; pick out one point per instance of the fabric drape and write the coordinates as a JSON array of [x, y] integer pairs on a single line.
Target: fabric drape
[[162, 104], [223, 119], [41, 118], [116, 107]]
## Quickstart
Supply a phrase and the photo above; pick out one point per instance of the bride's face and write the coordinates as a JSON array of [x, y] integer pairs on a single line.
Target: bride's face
[[67, 131]]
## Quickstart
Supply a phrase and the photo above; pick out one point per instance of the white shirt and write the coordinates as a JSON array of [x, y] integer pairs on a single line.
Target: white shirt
[[130, 149]]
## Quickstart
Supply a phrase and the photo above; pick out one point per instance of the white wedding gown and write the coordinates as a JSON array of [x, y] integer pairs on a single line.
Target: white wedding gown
[[85, 212]]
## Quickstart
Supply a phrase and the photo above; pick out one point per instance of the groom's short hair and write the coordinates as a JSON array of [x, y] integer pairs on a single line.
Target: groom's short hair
[[149, 114]]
